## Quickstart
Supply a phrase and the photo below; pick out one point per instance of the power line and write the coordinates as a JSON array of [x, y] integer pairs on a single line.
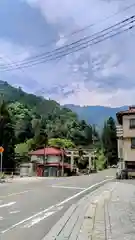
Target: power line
[[73, 45], [75, 32], [76, 42], [72, 50], [75, 48], [87, 45]]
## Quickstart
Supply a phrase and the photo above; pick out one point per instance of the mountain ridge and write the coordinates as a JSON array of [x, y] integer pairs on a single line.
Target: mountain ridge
[[91, 114], [95, 114]]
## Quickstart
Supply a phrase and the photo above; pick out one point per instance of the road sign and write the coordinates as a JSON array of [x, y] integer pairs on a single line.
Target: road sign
[[1, 149]]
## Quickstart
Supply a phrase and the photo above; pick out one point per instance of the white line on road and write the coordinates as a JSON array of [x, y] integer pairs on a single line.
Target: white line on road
[[83, 191], [7, 204], [13, 212], [37, 220], [14, 194], [57, 205], [109, 176], [67, 187]]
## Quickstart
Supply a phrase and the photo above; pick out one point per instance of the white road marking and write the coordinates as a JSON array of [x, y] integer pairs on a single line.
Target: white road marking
[[109, 176], [37, 220], [1, 218], [53, 206], [27, 219], [83, 191], [14, 194], [7, 204], [13, 212], [67, 187]]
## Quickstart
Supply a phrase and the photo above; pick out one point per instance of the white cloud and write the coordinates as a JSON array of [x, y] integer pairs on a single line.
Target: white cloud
[[92, 74], [94, 96], [11, 52], [82, 12], [62, 40], [10, 55]]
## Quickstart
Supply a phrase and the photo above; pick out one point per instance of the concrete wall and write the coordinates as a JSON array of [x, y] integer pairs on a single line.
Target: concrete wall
[[38, 159], [124, 144], [128, 152], [120, 148], [53, 159], [127, 132], [49, 159], [27, 169]]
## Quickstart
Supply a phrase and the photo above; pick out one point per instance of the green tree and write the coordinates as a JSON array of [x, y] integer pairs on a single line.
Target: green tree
[[62, 143], [22, 119], [22, 150], [101, 159], [40, 140], [7, 138], [109, 140]]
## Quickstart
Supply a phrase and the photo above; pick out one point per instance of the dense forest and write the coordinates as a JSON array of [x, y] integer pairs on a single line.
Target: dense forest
[[29, 122]]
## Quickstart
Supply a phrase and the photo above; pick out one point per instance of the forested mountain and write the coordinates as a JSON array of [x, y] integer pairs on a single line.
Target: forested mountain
[[40, 106], [95, 114], [37, 104], [31, 114]]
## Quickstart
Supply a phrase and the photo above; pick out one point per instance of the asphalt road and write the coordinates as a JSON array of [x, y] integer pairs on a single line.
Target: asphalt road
[[30, 208]]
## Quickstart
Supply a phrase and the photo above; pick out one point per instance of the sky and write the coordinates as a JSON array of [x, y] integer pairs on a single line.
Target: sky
[[102, 74]]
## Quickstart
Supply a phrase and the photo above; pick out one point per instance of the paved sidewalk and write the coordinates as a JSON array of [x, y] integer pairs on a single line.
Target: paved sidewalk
[[106, 214]]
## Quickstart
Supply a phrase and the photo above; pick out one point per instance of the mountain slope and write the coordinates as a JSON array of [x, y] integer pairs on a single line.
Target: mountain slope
[[91, 114], [32, 115], [95, 114], [38, 104]]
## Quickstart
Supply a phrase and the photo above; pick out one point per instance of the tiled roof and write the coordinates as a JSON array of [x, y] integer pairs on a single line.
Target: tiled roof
[[48, 151], [129, 111]]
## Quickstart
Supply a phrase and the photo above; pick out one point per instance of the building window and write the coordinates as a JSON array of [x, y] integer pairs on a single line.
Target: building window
[[132, 123], [133, 143]]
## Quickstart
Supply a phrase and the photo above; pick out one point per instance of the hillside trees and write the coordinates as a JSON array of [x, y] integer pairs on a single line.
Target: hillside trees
[[62, 123], [7, 138], [37, 122], [109, 140], [22, 120], [62, 143]]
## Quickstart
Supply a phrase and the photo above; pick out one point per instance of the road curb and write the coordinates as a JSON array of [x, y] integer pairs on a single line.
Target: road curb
[[73, 217]]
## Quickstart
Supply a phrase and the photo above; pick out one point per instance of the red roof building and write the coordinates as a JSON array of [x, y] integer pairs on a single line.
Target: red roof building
[[49, 161], [48, 151]]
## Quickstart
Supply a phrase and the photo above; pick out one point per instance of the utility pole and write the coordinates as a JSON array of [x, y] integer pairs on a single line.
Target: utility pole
[[89, 163], [44, 153], [1, 158], [62, 173], [1, 161], [44, 159]]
